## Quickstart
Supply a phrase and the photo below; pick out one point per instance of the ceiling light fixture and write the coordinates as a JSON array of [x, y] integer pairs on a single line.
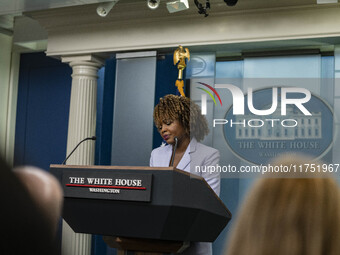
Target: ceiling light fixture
[[203, 9], [153, 4], [178, 5], [104, 8], [231, 2]]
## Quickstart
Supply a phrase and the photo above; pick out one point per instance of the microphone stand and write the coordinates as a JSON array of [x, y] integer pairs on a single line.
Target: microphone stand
[[174, 151], [69, 155]]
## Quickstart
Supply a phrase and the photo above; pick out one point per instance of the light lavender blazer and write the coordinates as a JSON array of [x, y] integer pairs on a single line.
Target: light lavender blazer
[[196, 156]]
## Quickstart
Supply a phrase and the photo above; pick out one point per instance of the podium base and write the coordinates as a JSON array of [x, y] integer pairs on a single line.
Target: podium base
[[141, 246]]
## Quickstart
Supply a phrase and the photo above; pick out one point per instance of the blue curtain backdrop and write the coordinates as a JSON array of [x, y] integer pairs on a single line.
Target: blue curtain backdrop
[[42, 112]]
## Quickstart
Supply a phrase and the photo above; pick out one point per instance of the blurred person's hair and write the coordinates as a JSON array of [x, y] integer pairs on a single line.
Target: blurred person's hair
[[295, 216]]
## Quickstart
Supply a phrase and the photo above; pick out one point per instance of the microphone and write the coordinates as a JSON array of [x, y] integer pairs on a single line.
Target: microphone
[[174, 151], [69, 155]]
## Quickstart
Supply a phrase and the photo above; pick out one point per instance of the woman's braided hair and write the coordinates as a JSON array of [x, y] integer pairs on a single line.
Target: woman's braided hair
[[172, 107]]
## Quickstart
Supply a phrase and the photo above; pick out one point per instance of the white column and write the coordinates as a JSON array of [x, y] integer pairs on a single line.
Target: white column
[[82, 124], [5, 71]]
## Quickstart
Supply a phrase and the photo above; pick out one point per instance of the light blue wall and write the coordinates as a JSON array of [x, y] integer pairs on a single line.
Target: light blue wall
[[257, 72]]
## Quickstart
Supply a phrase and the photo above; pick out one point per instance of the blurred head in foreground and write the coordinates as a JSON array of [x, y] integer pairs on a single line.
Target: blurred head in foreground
[[294, 216]]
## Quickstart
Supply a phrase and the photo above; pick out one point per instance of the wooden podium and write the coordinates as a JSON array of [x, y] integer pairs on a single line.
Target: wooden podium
[[150, 210]]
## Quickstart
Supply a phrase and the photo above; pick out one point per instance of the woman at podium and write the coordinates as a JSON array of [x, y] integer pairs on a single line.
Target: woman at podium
[[182, 127]]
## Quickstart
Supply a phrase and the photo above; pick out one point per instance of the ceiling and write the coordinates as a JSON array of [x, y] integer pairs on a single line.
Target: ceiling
[[18, 6], [11, 8]]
